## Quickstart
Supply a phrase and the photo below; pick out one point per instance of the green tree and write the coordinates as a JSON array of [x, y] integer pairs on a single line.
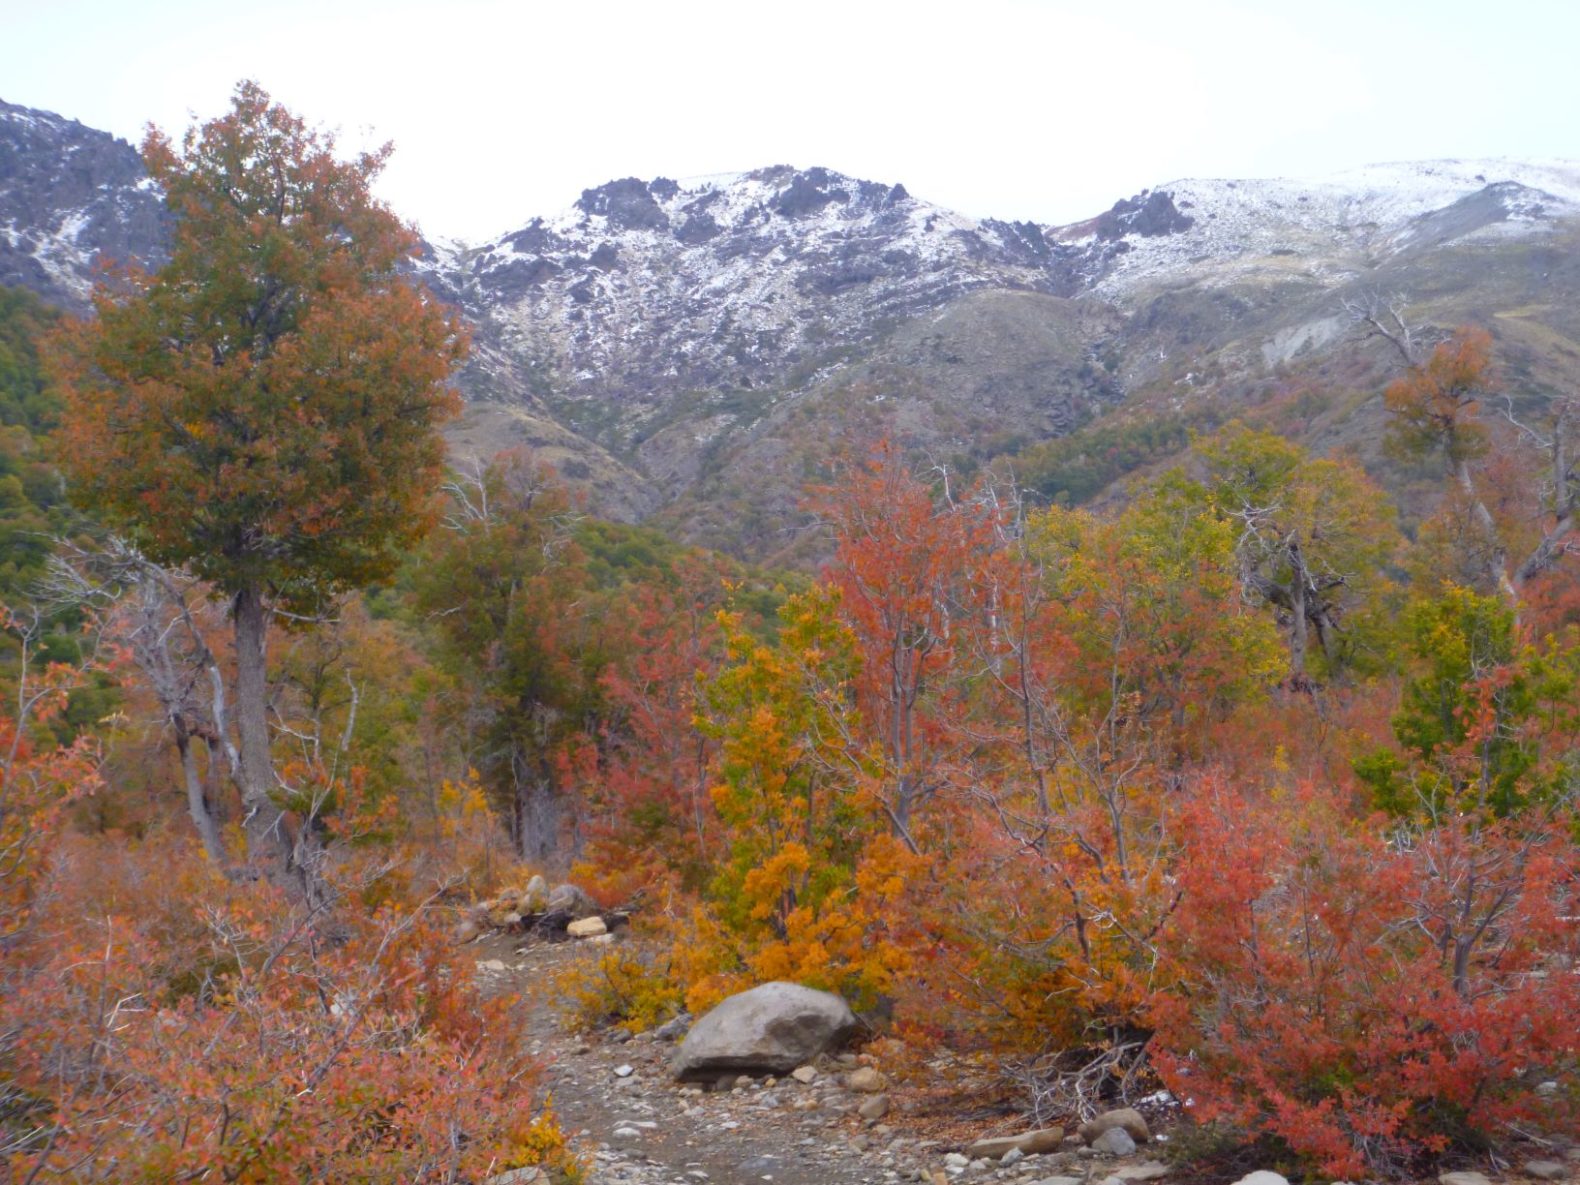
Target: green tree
[[1487, 722], [1313, 537], [263, 410]]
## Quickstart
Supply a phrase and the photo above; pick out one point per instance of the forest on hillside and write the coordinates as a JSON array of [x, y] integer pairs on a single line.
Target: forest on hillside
[[1246, 788]]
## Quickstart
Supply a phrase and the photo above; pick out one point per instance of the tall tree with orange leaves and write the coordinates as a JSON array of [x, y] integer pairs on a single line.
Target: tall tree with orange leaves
[[263, 410]]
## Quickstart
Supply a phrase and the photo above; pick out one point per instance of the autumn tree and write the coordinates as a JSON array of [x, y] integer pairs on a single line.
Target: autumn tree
[[1440, 406], [1312, 536], [904, 563], [263, 409]]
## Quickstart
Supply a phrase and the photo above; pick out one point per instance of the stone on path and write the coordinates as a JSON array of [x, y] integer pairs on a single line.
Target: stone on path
[[866, 1080], [770, 1029], [1033, 1143], [875, 1108], [1115, 1141], [587, 927], [1262, 1177], [806, 1075], [572, 900], [1463, 1178], [1126, 1117], [1546, 1170], [535, 897], [1152, 1170]]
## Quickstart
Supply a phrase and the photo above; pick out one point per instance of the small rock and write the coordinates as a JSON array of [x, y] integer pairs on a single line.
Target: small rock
[[1126, 1117], [624, 1071], [875, 1108], [955, 1160], [1152, 1170], [866, 1080], [587, 927], [806, 1075], [601, 939], [742, 1081], [1058, 1181], [1115, 1141], [1037, 1143], [1547, 1089], [1463, 1178], [495, 965], [465, 931], [1013, 1156], [1262, 1177], [1546, 1170], [535, 897], [573, 900], [674, 1029], [626, 1133]]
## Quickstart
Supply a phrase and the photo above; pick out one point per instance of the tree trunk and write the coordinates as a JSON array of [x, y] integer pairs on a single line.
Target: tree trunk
[[268, 844], [197, 800], [1497, 558], [1299, 637]]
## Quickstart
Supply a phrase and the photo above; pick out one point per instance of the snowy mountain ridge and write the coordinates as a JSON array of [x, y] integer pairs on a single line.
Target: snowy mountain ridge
[[69, 197], [698, 347], [1348, 221]]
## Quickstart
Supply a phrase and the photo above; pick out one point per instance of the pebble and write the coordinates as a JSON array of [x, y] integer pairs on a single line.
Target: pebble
[[1262, 1177], [624, 1071], [1463, 1178]]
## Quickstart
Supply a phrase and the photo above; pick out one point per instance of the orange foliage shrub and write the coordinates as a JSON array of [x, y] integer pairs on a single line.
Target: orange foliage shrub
[[163, 1023]]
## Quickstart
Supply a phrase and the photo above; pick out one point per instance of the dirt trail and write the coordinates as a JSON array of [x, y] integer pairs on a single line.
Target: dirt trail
[[639, 1127], [636, 1126]]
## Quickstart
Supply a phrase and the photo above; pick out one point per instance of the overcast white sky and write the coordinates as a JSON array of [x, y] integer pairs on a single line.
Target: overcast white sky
[[1038, 109]]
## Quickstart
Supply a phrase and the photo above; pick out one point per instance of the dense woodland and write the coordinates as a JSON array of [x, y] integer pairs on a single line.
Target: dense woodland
[[1244, 787]]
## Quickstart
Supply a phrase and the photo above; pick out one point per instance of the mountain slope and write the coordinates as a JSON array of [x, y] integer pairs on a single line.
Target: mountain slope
[[698, 350], [69, 198]]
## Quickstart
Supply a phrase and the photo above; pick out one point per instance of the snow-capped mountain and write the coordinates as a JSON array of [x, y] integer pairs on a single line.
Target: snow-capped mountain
[[698, 347], [69, 197], [1347, 222]]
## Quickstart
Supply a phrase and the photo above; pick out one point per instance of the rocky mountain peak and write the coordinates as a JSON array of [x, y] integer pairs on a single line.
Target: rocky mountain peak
[[70, 197]]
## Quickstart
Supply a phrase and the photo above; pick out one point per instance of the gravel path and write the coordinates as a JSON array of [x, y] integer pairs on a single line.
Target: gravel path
[[638, 1127]]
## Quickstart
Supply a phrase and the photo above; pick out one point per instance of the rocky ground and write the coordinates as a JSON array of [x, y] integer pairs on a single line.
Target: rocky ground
[[840, 1125]]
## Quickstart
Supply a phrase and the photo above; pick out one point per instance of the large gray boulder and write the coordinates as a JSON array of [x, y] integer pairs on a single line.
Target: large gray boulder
[[771, 1029]]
